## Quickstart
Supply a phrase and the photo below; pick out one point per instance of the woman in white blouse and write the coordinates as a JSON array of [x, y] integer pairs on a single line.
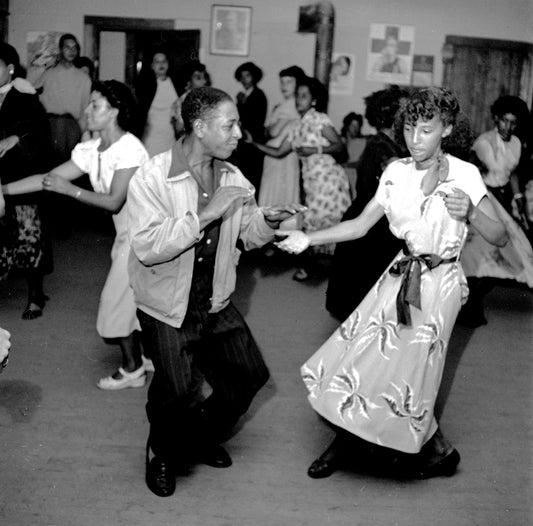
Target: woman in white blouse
[[110, 160]]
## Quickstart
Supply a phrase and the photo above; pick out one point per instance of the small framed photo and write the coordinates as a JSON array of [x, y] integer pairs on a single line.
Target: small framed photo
[[230, 30], [390, 53]]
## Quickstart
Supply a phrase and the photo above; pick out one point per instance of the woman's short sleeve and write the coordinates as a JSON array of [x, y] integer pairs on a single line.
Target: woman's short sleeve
[[129, 153], [324, 120], [385, 185], [83, 153], [471, 182]]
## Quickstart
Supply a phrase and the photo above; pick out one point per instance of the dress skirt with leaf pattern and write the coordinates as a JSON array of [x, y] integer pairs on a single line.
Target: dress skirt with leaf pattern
[[374, 377]]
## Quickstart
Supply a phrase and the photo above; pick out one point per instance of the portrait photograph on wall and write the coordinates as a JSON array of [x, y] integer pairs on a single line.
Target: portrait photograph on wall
[[230, 30], [342, 74], [390, 53]]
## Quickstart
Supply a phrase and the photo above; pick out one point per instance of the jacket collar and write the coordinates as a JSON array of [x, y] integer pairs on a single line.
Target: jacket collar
[[180, 169]]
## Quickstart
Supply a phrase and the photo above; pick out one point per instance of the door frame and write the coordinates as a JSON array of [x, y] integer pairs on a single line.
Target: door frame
[[94, 25]]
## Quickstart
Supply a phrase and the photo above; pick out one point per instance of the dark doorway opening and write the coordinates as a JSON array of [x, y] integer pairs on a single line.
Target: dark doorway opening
[[142, 36]]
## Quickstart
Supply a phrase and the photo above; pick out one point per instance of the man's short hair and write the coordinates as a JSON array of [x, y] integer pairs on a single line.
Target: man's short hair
[[199, 102], [68, 36]]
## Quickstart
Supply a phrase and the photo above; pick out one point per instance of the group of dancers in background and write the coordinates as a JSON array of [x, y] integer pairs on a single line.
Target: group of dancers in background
[[425, 226]]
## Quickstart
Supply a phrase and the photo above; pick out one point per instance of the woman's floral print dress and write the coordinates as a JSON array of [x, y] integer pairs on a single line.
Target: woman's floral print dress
[[374, 377], [325, 184]]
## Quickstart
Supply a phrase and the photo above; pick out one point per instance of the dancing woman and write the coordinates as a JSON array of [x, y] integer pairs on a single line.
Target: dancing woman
[[25, 147], [110, 161], [324, 181], [377, 377], [497, 152]]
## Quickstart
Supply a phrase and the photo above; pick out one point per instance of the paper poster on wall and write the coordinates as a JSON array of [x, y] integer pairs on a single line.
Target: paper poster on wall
[[423, 70], [42, 52], [390, 53], [342, 75]]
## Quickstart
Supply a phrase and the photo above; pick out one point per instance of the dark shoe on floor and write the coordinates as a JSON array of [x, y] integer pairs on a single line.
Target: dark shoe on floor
[[34, 308], [322, 468], [160, 477], [215, 456], [444, 468]]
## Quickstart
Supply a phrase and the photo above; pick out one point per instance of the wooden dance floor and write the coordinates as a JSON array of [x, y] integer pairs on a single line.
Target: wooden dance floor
[[72, 455]]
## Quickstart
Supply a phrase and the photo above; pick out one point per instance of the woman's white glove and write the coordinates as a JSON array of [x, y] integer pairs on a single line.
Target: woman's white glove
[[294, 242]]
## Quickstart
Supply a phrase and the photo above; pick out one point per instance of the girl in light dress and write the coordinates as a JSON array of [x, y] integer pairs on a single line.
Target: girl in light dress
[[280, 183], [110, 160], [157, 94], [377, 377]]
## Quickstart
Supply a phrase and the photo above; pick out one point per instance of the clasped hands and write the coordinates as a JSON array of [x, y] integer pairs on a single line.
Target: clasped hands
[[293, 242], [55, 183]]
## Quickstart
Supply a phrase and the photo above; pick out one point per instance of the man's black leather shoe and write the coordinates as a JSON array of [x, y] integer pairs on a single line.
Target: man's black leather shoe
[[160, 477], [215, 456]]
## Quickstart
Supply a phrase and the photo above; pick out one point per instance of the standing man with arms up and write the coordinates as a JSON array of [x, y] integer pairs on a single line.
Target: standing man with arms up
[[65, 95], [187, 209], [66, 91]]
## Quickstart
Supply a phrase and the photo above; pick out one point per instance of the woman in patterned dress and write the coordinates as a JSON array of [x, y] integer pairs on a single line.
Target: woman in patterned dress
[[24, 149], [110, 160], [325, 184], [377, 377]]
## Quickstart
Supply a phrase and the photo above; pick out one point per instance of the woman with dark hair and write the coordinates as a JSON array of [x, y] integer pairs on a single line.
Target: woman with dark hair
[[377, 377], [157, 94], [355, 141], [24, 149], [110, 160], [497, 153], [325, 185], [195, 75], [280, 183], [252, 107], [352, 276]]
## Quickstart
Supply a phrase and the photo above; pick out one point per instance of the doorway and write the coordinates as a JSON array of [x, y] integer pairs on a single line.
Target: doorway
[[140, 36], [479, 70]]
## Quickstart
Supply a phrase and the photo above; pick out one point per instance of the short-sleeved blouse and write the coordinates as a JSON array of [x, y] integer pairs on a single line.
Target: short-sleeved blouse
[[309, 132], [127, 152], [400, 194]]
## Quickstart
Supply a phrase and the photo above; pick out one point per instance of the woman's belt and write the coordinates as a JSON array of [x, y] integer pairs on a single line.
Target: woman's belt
[[410, 268]]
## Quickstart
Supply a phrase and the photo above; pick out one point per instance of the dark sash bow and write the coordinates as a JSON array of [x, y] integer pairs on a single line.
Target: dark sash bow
[[410, 268]]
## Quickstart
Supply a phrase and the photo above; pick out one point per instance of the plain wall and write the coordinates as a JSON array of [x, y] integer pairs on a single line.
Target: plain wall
[[275, 42]]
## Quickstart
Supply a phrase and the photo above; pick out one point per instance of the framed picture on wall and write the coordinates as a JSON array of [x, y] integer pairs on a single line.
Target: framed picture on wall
[[390, 53], [230, 30]]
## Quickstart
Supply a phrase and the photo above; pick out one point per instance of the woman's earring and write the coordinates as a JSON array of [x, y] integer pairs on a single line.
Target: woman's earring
[[11, 71]]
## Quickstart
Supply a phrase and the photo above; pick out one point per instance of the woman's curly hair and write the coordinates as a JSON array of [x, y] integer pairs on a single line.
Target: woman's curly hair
[[119, 96], [382, 106], [426, 103]]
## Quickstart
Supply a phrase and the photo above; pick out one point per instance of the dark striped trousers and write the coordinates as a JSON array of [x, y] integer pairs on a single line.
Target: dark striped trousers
[[221, 347]]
